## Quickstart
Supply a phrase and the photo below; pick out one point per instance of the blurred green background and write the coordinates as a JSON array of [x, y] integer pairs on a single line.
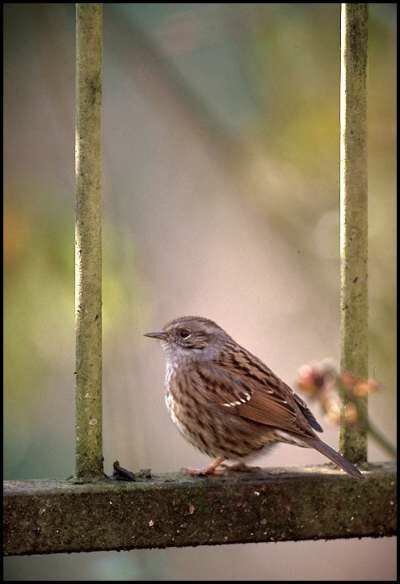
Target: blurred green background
[[221, 195]]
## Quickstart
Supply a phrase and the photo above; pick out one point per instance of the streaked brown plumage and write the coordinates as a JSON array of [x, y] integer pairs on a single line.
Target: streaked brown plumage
[[228, 403]]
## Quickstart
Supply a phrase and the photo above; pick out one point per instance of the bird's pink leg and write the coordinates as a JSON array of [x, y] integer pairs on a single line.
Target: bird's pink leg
[[209, 470]]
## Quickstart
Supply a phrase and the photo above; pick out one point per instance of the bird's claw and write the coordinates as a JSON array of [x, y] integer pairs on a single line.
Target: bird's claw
[[202, 472]]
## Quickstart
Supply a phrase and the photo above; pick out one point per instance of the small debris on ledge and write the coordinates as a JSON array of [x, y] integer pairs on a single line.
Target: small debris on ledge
[[122, 474]]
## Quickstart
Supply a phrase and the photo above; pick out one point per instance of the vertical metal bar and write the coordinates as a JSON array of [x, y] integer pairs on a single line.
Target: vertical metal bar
[[88, 298], [354, 213]]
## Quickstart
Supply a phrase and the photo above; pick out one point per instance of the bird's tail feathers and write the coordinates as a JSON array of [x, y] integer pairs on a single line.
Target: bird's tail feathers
[[335, 457]]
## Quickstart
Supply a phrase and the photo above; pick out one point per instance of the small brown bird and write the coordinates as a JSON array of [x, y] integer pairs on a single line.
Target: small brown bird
[[228, 403]]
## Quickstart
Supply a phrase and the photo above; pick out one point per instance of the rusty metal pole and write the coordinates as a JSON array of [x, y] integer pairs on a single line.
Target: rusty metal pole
[[88, 273], [354, 213]]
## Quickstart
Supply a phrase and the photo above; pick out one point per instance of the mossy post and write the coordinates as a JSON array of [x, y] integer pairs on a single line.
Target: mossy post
[[174, 510], [354, 213], [88, 300]]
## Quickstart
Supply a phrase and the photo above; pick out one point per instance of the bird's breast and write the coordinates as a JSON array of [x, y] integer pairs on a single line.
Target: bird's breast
[[170, 371], [176, 414]]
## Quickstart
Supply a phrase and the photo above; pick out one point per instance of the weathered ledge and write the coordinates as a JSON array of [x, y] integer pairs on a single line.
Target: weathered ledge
[[281, 504]]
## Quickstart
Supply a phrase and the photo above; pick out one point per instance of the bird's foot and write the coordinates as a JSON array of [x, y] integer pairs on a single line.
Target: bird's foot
[[211, 469], [202, 472]]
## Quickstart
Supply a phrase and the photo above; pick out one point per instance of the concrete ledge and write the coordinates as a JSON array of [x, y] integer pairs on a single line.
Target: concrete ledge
[[281, 504]]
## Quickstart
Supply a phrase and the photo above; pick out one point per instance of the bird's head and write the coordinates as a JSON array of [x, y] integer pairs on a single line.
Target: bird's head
[[191, 337]]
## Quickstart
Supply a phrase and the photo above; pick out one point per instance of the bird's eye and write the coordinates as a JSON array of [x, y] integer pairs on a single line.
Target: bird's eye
[[183, 333]]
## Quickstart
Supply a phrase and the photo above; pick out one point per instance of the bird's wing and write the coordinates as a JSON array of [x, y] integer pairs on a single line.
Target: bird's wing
[[246, 387], [307, 413]]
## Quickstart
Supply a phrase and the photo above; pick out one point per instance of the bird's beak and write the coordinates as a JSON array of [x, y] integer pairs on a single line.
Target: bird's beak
[[162, 336]]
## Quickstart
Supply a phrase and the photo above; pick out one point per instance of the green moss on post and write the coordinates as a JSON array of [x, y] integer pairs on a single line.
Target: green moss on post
[[43, 517], [354, 212], [88, 301]]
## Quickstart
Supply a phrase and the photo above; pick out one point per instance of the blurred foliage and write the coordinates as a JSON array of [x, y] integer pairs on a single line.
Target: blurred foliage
[[39, 316]]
